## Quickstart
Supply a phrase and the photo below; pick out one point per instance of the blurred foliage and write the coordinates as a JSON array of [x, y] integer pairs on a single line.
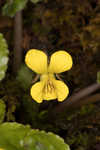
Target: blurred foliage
[[10, 93], [30, 111], [98, 77], [2, 110], [3, 56], [17, 136], [82, 140], [35, 1], [13, 6], [24, 77], [80, 127]]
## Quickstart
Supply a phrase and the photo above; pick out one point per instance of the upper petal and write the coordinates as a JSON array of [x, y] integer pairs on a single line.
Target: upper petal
[[36, 91], [36, 60], [61, 90], [60, 61]]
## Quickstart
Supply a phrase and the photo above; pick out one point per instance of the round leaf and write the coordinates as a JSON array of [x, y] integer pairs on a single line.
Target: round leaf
[[19, 137], [3, 56]]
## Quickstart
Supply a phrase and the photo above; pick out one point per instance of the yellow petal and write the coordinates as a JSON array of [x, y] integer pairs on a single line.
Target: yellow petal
[[60, 61], [36, 60], [49, 91], [36, 91], [61, 90]]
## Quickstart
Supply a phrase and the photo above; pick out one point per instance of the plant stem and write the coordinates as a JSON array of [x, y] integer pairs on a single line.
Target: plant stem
[[17, 58], [75, 98], [88, 100]]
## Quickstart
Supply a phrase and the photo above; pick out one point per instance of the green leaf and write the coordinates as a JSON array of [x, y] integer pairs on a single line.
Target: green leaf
[[3, 56], [2, 110], [35, 1], [19, 137], [98, 77], [12, 136], [25, 77], [11, 8]]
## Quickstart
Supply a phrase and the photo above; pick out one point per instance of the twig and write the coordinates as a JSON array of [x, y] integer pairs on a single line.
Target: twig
[[88, 100], [75, 98]]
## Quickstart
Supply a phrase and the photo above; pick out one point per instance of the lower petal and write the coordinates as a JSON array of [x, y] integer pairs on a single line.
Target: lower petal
[[49, 92], [36, 92], [49, 95], [61, 90]]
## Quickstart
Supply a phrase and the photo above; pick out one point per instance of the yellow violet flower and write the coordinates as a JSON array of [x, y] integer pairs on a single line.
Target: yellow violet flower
[[48, 88]]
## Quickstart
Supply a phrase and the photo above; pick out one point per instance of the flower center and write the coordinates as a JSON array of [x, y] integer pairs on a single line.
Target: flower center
[[48, 87], [48, 83]]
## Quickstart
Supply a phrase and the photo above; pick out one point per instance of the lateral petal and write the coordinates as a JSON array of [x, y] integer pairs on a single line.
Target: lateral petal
[[36, 91], [36, 60], [61, 90], [60, 61]]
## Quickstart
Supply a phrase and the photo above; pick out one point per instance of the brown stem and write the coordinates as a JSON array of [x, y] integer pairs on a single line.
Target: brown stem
[[17, 58], [75, 98], [88, 100]]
